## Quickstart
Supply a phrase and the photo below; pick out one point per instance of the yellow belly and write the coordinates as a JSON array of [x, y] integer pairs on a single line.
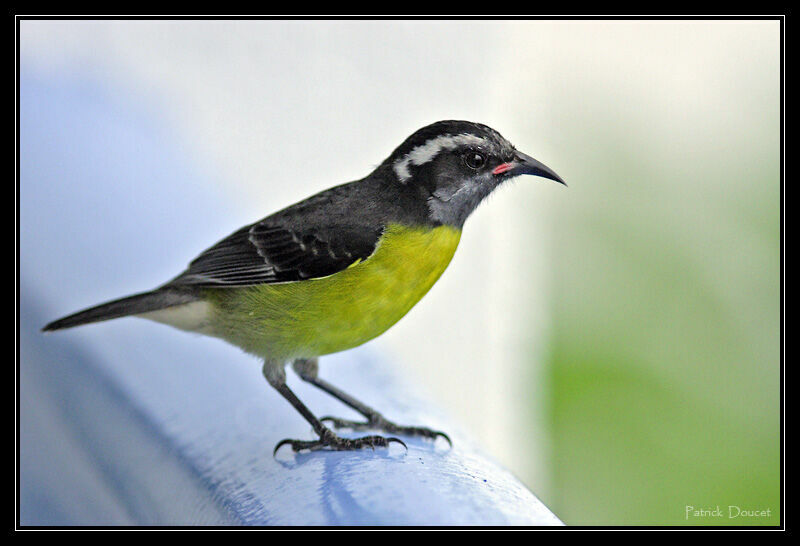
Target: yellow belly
[[322, 316]]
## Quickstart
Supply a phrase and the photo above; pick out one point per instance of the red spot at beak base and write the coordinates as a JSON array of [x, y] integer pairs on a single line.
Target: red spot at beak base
[[503, 167]]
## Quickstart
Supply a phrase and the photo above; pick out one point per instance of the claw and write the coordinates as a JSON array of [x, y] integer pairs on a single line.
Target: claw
[[398, 440], [278, 446], [380, 423], [281, 444], [443, 435], [335, 443]]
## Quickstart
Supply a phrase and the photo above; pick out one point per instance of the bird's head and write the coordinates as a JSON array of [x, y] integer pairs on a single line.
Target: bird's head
[[456, 164]]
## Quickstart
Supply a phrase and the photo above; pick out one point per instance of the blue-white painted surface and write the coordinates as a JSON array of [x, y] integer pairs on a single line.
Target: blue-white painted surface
[[131, 422], [196, 448]]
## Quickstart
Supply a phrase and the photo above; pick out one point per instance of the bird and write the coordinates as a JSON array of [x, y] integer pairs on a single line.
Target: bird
[[337, 269]]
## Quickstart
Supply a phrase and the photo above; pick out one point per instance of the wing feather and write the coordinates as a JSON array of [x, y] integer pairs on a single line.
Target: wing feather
[[271, 251]]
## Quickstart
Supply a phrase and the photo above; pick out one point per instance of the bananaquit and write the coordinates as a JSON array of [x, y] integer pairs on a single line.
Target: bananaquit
[[337, 269]]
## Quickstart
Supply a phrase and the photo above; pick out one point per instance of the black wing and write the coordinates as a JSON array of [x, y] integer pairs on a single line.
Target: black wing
[[312, 239]]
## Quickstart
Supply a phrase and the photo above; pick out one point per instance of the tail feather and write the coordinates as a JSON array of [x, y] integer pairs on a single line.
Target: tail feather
[[131, 305]]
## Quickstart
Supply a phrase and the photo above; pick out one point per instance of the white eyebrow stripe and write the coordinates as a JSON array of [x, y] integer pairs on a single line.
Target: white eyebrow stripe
[[426, 152]]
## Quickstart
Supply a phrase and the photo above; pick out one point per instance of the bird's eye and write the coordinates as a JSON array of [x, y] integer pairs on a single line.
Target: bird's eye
[[474, 160]]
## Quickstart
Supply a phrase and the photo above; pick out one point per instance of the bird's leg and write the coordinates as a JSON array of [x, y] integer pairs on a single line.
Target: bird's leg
[[276, 376], [308, 370]]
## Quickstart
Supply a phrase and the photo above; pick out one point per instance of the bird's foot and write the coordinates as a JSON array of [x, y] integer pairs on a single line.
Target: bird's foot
[[330, 441], [379, 422]]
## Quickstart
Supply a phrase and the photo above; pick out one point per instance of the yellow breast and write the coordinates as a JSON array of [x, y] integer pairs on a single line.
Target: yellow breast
[[341, 311]]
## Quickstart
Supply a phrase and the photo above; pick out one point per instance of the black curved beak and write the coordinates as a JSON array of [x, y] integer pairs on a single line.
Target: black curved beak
[[525, 164]]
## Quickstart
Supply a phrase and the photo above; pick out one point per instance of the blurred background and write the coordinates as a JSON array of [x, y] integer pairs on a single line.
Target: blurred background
[[616, 344]]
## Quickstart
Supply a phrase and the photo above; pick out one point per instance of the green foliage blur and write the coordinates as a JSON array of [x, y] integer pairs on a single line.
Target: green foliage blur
[[664, 363]]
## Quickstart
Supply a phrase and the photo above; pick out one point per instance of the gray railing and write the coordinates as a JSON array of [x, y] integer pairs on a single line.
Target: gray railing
[[183, 435]]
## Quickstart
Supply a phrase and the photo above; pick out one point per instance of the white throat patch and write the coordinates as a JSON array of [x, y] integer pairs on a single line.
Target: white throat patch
[[428, 151]]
